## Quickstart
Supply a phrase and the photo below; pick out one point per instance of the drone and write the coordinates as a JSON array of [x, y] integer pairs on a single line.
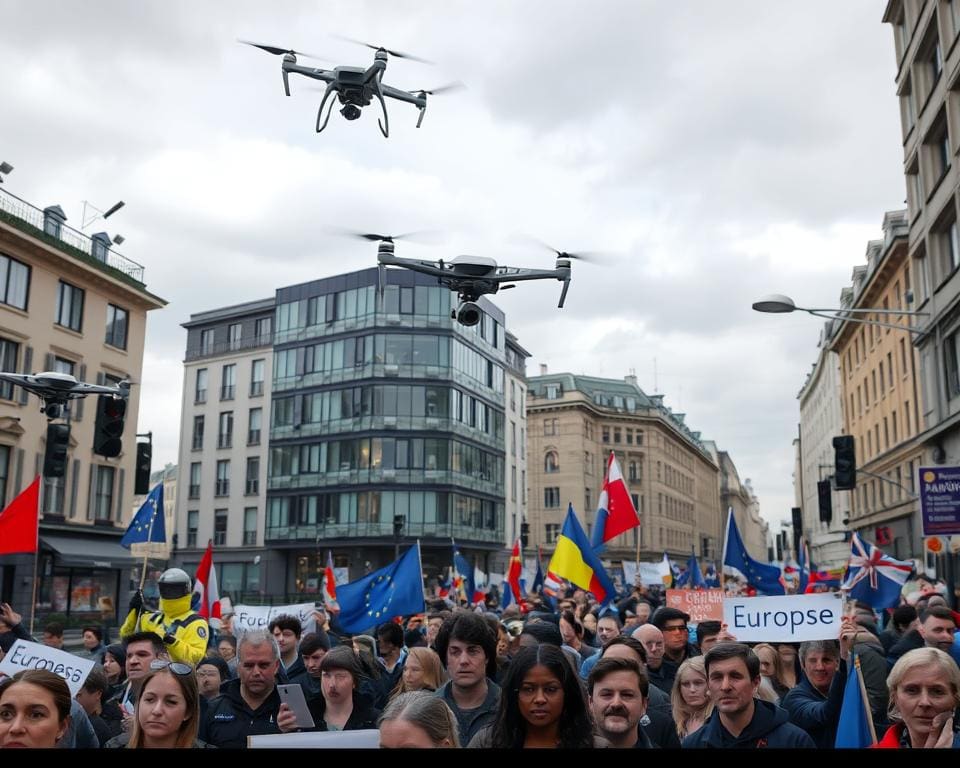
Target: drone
[[470, 276], [55, 389], [355, 87]]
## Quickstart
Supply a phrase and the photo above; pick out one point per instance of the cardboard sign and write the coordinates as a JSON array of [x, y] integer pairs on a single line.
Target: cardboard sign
[[26, 655], [785, 619], [701, 604], [248, 618], [365, 739]]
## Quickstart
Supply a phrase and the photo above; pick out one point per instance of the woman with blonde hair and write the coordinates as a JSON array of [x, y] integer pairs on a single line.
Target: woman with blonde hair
[[924, 692], [770, 668], [422, 671], [418, 719], [690, 702]]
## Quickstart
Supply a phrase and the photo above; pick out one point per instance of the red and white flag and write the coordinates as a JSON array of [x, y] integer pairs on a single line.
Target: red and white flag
[[19, 522], [206, 594], [329, 581], [616, 513]]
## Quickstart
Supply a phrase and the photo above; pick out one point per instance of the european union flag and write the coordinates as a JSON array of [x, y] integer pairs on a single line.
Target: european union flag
[[855, 727], [763, 577], [147, 525], [694, 576], [396, 590]]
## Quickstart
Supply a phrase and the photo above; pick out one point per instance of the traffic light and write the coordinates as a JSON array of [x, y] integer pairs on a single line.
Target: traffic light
[[524, 534], [845, 463], [55, 455], [108, 431], [398, 523], [825, 501], [141, 481]]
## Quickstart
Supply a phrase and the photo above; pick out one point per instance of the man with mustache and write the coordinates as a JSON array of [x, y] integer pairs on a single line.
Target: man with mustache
[[618, 700]]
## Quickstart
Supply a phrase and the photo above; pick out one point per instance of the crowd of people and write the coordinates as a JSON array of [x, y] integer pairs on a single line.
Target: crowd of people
[[637, 674]]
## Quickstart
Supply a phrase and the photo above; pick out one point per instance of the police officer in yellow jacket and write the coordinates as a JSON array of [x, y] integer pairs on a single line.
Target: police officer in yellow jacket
[[184, 632]]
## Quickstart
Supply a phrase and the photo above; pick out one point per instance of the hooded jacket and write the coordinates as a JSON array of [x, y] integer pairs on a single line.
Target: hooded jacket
[[229, 720], [185, 633], [769, 727]]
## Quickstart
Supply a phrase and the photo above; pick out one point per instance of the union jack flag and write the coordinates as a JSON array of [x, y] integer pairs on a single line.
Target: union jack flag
[[874, 577]]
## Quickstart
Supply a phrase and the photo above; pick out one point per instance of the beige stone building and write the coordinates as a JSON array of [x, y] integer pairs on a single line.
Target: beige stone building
[[68, 303], [881, 395], [574, 422]]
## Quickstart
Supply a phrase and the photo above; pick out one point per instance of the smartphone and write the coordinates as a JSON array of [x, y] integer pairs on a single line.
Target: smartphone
[[291, 694]]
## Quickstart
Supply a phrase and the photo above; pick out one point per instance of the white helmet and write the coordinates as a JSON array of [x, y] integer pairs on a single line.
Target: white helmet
[[174, 583]]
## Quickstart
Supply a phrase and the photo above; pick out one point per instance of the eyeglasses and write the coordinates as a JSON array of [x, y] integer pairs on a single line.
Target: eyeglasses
[[675, 629], [177, 667]]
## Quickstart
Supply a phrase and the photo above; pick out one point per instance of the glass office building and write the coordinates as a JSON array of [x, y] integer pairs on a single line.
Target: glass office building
[[383, 406]]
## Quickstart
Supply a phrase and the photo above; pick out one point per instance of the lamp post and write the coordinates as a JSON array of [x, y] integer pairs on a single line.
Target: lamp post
[[778, 304]]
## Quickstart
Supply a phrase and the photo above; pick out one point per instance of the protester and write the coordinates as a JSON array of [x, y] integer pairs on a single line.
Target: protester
[[286, 630], [34, 709], [708, 635], [814, 703], [93, 646], [618, 702], [140, 649], [11, 628], [211, 673], [936, 630], [690, 700], [227, 648], [393, 652], [313, 647], [571, 631], [660, 675], [417, 720], [53, 635], [105, 716], [770, 667], [541, 706], [789, 663], [903, 620], [421, 671], [114, 667]]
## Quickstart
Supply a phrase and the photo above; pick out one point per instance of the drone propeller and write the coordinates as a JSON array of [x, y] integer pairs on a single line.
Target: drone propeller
[[455, 86], [396, 54], [426, 236], [281, 51], [593, 257]]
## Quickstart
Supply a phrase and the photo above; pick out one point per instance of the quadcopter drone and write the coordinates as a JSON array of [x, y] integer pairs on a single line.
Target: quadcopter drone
[[355, 87], [55, 390], [470, 276]]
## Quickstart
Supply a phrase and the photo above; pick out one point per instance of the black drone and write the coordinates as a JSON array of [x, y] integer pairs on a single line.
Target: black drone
[[55, 389], [355, 87], [471, 276]]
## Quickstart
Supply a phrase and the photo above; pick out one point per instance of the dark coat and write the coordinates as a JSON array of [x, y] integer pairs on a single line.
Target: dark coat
[[363, 717], [768, 728], [815, 713], [229, 720]]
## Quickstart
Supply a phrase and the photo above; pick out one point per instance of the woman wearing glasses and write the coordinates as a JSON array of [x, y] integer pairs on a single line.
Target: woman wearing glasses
[[167, 710], [541, 705], [690, 701]]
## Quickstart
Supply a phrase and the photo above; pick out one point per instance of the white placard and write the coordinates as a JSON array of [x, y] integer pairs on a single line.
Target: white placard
[[248, 618], [650, 574], [26, 655], [786, 619], [366, 739]]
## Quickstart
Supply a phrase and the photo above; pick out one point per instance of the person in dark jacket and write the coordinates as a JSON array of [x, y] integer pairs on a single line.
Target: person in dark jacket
[[286, 631], [740, 720], [249, 705], [903, 620], [105, 716], [11, 628], [341, 706], [814, 703]]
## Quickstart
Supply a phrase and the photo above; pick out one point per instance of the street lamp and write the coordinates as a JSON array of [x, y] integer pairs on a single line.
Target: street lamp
[[5, 169], [777, 303]]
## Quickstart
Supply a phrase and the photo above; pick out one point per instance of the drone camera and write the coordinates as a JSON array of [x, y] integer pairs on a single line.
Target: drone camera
[[350, 111], [53, 410], [468, 313]]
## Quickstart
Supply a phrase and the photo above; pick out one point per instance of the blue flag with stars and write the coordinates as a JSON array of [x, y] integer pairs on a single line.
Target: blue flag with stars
[[763, 577], [396, 590], [147, 525]]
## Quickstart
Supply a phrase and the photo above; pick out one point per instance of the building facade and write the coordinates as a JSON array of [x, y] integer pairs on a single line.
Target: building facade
[[68, 303], [821, 419], [882, 398], [738, 495], [225, 409], [575, 422], [515, 438]]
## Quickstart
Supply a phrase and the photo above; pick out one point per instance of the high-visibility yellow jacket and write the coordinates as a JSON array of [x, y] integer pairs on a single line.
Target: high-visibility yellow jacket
[[174, 621]]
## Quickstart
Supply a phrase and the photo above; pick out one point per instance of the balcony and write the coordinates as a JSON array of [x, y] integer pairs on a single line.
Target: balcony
[[249, 538], [225, 347], [253, 487], [223, 488], [256, 388], [225, 440], [228, 391], [253, 437], [382, 532], [30, 220]]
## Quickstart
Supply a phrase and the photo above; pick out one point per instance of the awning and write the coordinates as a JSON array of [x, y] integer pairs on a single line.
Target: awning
[[92, 553]]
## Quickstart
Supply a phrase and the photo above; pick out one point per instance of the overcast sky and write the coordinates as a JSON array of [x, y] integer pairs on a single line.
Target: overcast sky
[[718, 151]]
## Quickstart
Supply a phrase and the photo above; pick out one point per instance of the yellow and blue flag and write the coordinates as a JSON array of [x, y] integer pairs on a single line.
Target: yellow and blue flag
[[575, 561]]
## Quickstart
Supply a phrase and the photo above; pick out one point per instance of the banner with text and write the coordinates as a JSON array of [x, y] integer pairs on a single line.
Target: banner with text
[[26, 655], [940, 500], [784, 619], [701, 604], [251, 617]]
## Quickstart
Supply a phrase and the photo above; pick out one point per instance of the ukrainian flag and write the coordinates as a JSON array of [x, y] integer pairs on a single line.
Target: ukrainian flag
[[575, 561]]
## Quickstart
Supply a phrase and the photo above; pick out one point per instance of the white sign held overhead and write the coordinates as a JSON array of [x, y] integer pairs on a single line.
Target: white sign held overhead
[[26, 655], [252, 617], [785, 619]]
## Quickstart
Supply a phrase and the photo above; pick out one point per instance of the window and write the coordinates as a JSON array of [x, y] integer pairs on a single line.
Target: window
[[552, 533], [935, 61], [616, 435], [523, 484], [893, 420], [257, 370], [551, 497], [263, 330], [193, 522], [883, 391], [225, 432], [9, 351], [553, 391], [551, 462], [629, 437], [69, 307], [605, 432], [949, 247], [513, 395], [103, 494], [234, 331], [206, 342], [253, 433], [197, 443], [194, 480], [633, 474], [53, 489], [252, 487], [14, 282], [523, 443], [513, 438], [952, 367], [223, 478], [903, 358], [550, 426], [117, 322], [228, 382], [220, 527], [200, 392], [513, 483], [250, 526]]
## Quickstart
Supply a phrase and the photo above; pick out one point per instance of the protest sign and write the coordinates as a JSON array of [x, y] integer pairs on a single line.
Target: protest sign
[[26, 655], [248, 618], [701, 604], [365, 739], [783, 619]]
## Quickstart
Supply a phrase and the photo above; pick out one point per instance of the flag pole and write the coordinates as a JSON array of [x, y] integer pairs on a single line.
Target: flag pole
[[146, 557], [36, 563], [864, 698]]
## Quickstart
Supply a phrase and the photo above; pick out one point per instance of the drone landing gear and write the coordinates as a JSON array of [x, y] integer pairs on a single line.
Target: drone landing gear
[[385, 125], [326, 95]]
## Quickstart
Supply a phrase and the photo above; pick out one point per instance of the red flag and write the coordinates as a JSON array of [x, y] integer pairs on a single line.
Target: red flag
[[206, 594], [513, 572], [20, 521], [330, 581], [615, 511]]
